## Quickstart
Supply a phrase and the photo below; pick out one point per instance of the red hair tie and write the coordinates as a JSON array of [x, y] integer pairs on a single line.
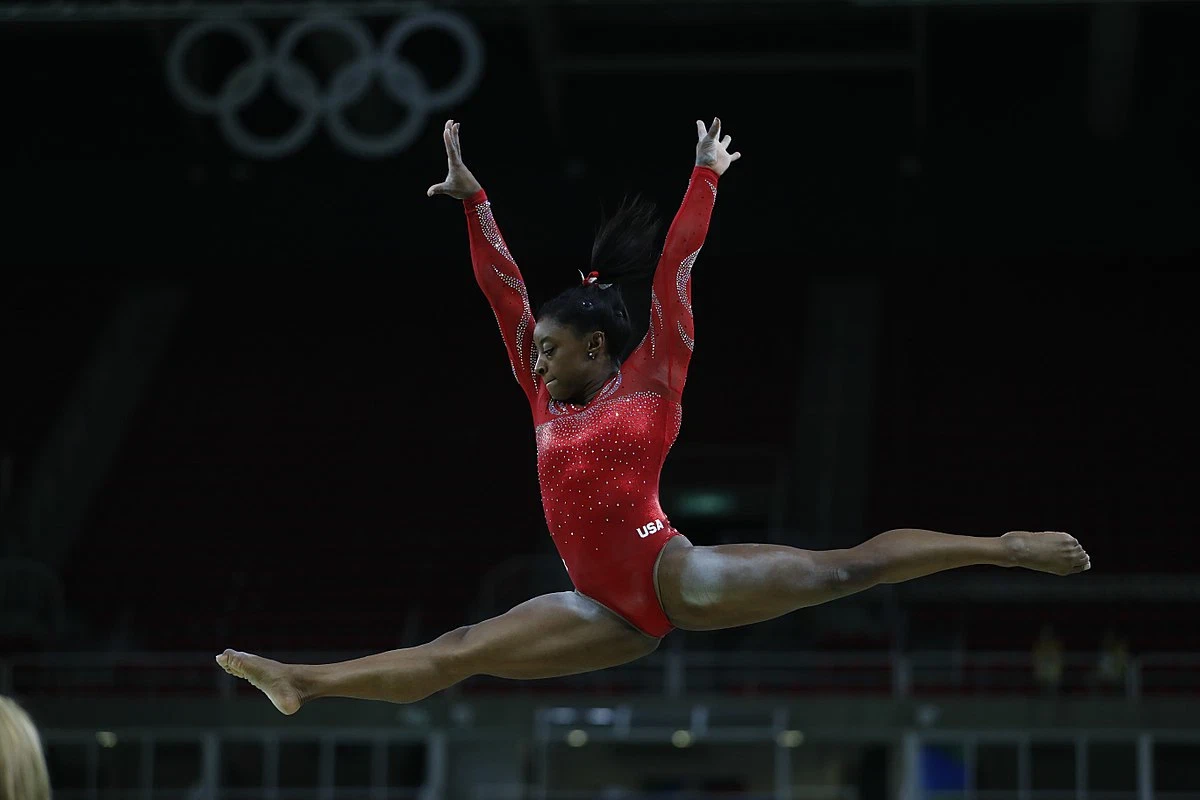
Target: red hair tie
[[592, 277]]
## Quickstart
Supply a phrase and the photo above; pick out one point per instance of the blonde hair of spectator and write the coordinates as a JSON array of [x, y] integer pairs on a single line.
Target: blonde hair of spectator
[[23, 774]]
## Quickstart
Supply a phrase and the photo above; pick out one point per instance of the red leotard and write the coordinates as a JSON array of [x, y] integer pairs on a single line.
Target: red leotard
[[599, 463]]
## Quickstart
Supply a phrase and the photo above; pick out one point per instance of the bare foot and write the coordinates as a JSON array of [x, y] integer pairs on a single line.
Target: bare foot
[[271, 677], [1047, 551]]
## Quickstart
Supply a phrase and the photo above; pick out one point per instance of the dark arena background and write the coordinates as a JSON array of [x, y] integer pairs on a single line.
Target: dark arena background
[[253, 398]]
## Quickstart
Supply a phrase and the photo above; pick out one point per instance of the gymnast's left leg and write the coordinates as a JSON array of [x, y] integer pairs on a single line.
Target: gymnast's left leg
[[709, 588]]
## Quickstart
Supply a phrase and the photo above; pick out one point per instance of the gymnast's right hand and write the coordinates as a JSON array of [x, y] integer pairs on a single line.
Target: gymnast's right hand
[[460, 183]]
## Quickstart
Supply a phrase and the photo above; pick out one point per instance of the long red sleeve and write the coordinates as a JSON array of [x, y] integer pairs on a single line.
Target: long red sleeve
[[498, 276], [667, 348]]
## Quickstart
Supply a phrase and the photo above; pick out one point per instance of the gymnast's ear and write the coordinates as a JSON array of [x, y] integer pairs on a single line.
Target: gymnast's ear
[[597, 341]]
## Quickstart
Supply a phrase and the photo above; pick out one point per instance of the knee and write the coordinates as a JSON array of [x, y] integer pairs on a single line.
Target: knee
[[451, 654], [821, 575], [856, 570]]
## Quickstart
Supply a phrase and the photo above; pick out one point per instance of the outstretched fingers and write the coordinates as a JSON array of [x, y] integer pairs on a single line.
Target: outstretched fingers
[[728, 140], [450, 138], [453, 146], [712, 133]]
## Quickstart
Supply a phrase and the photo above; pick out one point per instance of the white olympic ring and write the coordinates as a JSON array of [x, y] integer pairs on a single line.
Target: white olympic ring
[[296, 84]]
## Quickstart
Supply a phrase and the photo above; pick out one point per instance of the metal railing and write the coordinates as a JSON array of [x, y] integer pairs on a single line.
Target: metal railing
[[84, 764], [663, 674], [521, 791]]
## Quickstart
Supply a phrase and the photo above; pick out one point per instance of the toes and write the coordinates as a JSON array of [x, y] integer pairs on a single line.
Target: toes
[[230, 662]]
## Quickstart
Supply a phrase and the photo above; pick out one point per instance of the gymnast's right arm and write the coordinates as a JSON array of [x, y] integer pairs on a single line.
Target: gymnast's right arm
[[495, 271]]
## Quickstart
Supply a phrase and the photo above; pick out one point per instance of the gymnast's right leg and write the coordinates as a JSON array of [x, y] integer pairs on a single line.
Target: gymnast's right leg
[[555, 634]]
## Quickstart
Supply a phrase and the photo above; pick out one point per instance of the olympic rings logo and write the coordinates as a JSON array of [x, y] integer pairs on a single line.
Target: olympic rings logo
[[296, 84]]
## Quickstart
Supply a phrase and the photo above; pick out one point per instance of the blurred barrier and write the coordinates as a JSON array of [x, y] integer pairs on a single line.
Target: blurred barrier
[[324, 762], [663, 674], [520, 791], [184, 763], [202, 793]]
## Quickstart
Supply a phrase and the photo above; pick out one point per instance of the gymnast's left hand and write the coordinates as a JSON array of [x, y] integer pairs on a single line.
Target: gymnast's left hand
[[712, 151]]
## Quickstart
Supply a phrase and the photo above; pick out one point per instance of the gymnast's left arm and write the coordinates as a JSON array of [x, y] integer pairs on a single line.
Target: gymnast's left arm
[[671, 311]]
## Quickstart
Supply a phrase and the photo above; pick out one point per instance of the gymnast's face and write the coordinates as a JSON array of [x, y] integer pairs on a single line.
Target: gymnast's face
[[562, 361]]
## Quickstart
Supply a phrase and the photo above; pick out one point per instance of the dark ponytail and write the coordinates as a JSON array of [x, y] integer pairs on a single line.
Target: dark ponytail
[[624, 255]]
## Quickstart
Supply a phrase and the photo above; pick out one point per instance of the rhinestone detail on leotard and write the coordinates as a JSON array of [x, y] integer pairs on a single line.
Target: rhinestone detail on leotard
[[558, 407], [681, 279], [490, 230], [688, 341]]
